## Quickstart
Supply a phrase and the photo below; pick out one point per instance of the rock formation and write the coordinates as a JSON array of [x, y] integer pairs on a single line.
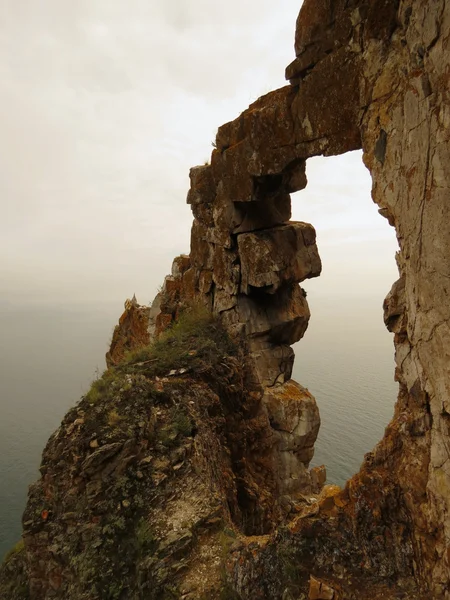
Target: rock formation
[[370, 75]]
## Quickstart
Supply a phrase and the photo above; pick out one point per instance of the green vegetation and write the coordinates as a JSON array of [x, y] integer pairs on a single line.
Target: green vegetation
[[227, 593], [114, 418], [195, 341], [13, 574], [179, 424], [289, 562], [226, 539], [146, 540], [15, 550], [105, 386]]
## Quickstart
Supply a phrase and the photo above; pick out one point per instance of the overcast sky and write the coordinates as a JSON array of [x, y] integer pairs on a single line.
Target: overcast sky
[[104, 106]]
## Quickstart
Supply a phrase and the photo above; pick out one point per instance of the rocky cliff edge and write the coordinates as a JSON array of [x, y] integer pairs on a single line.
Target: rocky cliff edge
[[370, 75]]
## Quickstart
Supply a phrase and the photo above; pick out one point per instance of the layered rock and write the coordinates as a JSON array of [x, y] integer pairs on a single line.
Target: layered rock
[[370, 75], [131, 332], [383, 65]]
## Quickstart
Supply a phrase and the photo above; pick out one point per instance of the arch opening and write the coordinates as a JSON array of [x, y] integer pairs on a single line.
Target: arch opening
[[347, 358]]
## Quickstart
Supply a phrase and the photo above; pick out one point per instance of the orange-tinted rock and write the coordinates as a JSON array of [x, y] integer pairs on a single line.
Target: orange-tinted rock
[[131, 333], [319, 590], [275, 257], [294, 418]]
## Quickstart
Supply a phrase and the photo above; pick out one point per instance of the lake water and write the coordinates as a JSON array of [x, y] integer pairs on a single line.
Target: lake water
[[346, 360], [48, 356]]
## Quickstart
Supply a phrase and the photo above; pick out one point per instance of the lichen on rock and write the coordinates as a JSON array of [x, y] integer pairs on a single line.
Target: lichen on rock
[[184, 472]]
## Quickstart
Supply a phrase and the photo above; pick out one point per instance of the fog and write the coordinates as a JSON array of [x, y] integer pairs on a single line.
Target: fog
[[104, 107]]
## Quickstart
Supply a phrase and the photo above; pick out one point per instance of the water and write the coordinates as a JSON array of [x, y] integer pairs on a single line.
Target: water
[[48, 356], [346, 360]]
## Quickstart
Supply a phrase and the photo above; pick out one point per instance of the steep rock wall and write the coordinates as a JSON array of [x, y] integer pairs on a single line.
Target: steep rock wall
[[374, 75], [370, 75]]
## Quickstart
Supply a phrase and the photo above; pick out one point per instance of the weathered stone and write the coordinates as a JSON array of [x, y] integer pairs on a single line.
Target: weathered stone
[[272, 362], [367, 74], [95, 460], [180, 265], [394, 308], [274, 257], [294, 418], [202, 251], [282, 317], [202, 186], [318, 477], [319, 590], [226, 271], [131, 332]]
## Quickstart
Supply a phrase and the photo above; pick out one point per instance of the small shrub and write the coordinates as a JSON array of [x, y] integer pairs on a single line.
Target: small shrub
[[227, 538], [181, 422], [15, 550], [227, 592], [114, 418], [101, 388], [195, 341], [146, 540], [288, 562]]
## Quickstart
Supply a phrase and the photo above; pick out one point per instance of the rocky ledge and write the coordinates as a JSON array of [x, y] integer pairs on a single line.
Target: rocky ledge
[[254, 521], [154, 476]]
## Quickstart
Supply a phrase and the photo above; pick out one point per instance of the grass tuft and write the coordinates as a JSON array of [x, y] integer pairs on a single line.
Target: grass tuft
[[196, 341], [15, 550]]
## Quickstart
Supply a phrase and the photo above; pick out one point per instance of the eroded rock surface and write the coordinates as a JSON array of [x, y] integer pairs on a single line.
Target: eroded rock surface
[[131, 332], [370, 75]]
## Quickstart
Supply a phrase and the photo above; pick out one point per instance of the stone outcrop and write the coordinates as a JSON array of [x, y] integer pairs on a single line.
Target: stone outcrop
[[370, 75], [131, 332], [148, 480]]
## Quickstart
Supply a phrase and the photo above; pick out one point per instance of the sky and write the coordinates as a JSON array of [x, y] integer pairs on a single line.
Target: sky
[[104, 107]]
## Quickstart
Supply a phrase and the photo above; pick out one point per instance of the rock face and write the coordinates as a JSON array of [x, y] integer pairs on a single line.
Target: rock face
[[131, 332], [149, 479], [370, 75]]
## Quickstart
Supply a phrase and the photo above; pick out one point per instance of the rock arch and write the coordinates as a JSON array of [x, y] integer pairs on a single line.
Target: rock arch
[[371, 75]]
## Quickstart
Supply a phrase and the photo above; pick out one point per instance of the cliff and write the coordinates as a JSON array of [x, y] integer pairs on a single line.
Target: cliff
[[370, 75]]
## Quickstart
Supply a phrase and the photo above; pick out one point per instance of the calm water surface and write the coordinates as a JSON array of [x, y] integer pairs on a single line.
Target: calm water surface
[[49, 356], [346, 360]]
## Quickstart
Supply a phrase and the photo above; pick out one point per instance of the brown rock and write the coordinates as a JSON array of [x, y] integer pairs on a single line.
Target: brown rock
[[318, 590], [318, 477], [294, 418], [131, 332], [273, 257]]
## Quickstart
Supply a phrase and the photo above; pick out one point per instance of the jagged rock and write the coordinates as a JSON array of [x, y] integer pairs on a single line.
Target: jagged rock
[[370, 75], [318, 590], [318, 477], [281, 317], [294, 419], [394, 308], [97, 458], [131, 332], [274, 257], [272, 362]]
